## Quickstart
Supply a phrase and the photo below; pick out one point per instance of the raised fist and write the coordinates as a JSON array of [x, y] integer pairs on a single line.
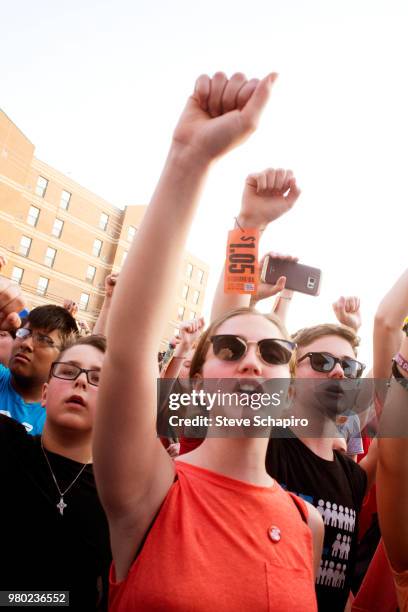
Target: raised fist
[[347, 311], [110, 283], [190, 331], [11, 303], [221, 114], [267, 196]]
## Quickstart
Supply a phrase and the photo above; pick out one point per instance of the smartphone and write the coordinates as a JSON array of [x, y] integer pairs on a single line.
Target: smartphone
[[304, 279]]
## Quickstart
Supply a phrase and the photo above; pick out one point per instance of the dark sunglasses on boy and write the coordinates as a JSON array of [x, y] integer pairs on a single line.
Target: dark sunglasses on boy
[[325, 362], [272, 351]]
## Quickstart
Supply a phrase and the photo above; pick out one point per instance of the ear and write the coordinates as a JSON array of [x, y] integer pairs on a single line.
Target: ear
[[44, 395], [197, 381], [291, 391]]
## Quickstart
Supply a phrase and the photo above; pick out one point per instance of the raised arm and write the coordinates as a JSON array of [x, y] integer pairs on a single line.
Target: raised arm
[[133, 471], [388, 322], [282, 304], [101, 324], [392, 470], [267, 196]]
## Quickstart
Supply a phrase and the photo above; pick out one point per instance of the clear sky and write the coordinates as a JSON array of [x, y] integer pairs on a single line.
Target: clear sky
[[97, 86]]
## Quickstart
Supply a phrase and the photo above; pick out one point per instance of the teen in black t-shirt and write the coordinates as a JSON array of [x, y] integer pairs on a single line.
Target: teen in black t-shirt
[[336, 488], [54, 534], [310, 467]]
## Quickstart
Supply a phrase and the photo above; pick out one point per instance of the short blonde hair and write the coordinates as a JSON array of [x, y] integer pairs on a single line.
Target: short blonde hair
[[307, 335]]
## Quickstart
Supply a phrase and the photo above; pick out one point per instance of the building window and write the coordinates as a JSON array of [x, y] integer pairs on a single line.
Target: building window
[[25, 246], [57, 228], [180, 313], [196, 296], [41, 186], [131, 233], [189, 270], [50, 257], [103, 221], [124, 255], [33, 215], [200, 276], [65, 198], [97, 247], [184, 292], [90, 273], [193, 315], [17, 274], [83, 301], [42, 285]]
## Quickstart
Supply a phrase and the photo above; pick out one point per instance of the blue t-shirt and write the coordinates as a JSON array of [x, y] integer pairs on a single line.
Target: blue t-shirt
[[32, 415]]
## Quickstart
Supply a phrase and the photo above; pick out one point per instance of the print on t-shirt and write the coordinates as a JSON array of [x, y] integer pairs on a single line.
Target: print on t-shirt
[[330, 573], [336, 488]]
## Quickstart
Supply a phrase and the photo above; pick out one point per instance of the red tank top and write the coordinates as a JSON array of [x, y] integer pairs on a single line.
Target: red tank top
[[220, 544]]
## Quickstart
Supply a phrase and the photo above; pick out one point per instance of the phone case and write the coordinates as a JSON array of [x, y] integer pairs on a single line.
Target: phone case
[[304, 279]]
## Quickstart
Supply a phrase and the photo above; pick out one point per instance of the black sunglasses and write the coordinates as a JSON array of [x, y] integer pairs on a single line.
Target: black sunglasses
[[272, 351], [324, 362]]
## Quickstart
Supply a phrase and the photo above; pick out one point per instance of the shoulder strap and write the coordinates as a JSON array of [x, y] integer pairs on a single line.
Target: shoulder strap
[[300, 505]]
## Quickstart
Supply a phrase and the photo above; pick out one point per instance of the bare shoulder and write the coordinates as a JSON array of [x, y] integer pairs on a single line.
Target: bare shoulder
[[314, 520], [316, 525]]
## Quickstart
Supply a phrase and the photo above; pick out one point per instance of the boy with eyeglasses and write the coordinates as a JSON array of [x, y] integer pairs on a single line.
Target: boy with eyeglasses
[[55, 536], [36, 346]]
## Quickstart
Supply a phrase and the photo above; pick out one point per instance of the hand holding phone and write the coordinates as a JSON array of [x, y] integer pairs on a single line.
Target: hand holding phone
[[299, 277]]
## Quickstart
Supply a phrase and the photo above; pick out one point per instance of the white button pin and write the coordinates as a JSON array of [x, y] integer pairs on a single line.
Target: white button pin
[[274, 533]]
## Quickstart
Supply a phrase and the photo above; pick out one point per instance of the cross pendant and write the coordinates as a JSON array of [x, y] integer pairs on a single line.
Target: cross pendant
[[61, 505]]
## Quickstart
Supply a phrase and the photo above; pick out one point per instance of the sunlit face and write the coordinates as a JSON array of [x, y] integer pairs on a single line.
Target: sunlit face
[[72, 403], [6, 345], [251, 328], [247, 378]]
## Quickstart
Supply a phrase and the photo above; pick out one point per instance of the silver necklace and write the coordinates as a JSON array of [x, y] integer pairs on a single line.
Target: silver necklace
[[61, 504]]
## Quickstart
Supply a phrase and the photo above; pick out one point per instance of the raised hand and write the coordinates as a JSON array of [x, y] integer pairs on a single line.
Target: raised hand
[[110, 283], [347, 311], [267, 196], [72, 307], [190, 331], [221, 113], [11, 303], [266, 290], [173, 449]]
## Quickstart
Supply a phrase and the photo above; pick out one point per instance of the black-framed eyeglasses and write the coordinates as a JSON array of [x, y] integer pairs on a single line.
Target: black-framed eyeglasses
[[325, 362], [272, 351], [69, 371], [39, 339]]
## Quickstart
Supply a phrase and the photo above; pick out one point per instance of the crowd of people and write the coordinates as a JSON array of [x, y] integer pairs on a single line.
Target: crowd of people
[[97, 504]]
